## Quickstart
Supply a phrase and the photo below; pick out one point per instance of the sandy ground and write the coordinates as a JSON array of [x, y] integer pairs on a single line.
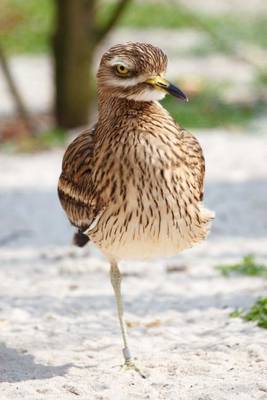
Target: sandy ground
[[59, 331]]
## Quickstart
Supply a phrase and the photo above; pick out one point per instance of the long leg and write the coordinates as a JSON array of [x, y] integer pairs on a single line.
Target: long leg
[[115, 277]]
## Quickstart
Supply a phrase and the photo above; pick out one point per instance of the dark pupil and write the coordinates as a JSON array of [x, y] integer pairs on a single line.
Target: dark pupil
[[122, 68]]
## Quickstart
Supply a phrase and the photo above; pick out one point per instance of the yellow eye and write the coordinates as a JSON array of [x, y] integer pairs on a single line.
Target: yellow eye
[[121, 69]]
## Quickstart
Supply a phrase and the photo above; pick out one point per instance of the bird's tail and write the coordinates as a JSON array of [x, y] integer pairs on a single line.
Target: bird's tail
[[80, 239]]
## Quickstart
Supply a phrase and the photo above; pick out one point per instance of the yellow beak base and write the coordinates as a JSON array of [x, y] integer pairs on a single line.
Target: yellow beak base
[[162, 84]]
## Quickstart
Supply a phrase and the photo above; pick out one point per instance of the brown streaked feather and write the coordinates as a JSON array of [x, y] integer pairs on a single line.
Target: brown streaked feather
[[75, 188], [195, 159]]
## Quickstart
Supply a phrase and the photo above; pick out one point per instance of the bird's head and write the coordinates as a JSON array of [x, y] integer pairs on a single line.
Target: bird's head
[[135, 71]]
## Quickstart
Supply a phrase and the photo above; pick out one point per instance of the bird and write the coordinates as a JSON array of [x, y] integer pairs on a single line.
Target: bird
[[133, 183]]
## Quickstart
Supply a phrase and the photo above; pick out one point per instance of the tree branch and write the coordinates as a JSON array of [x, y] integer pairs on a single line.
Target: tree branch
[[21, 107], [119, 9]]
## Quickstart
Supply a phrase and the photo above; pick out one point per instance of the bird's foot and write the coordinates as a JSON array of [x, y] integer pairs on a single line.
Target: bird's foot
[[130, 365]]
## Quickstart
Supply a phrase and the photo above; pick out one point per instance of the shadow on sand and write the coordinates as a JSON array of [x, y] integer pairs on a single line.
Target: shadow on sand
[[17, 366]]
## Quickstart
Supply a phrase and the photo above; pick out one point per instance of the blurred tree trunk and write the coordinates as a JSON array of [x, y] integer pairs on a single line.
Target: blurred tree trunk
[[73, 57], [76, 38]]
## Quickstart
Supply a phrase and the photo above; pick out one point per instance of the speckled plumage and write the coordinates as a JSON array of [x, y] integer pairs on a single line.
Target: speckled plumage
[[134, 182], [137, 173]]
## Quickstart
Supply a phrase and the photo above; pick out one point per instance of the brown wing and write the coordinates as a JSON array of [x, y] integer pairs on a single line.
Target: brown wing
[[195, 160], [75, 188]]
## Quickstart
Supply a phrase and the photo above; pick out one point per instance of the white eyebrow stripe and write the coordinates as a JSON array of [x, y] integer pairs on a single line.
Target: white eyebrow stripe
[[118, 60], [126, 82]]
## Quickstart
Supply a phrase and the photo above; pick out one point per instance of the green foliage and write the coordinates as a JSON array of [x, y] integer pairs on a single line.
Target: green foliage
[[54, 137], [207, 109], [257, 313], [236, 313], [166, 14], [33, 32], [245, 28], [148, 14], [261, 78], [248, 266], [43, 141]]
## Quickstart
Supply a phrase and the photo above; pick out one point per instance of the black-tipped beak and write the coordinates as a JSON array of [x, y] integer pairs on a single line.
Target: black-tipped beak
[[162, 84], [176, 92]]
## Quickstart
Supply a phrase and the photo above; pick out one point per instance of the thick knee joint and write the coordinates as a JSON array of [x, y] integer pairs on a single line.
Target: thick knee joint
[[115, 276]]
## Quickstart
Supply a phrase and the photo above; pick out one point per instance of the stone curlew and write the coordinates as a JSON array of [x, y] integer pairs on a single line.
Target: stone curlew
[[133, 184]]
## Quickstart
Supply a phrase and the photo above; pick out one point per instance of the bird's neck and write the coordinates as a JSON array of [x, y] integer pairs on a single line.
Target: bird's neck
[[117, 108]]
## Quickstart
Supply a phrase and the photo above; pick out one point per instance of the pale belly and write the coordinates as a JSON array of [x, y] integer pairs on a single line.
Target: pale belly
[[157, 233]]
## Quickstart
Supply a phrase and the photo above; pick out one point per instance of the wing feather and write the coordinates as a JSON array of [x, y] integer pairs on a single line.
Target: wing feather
[[195, 160], [75, 188]]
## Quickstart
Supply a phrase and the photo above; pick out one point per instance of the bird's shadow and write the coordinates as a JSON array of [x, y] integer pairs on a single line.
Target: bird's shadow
[[17, 366]]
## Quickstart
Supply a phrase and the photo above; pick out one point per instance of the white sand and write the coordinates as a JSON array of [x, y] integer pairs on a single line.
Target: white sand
[[59, 331]]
